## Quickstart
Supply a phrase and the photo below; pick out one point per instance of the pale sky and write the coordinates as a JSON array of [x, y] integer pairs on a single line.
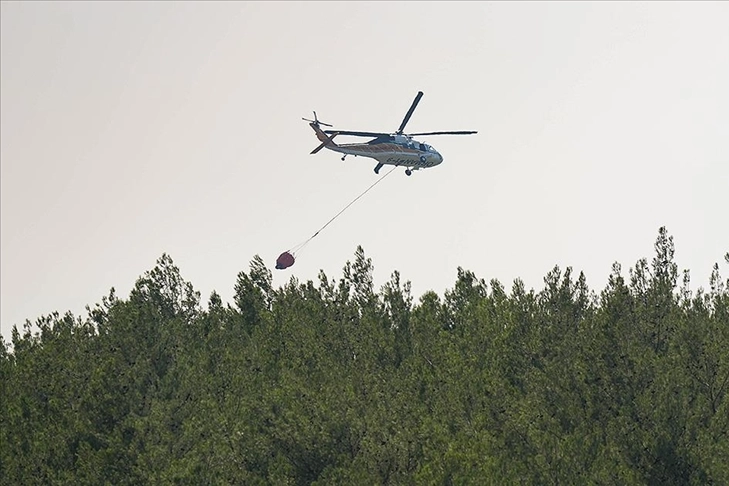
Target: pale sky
[[133, 129]]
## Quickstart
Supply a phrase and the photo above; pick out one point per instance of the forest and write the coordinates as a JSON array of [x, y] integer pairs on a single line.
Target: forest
[[339, 382]]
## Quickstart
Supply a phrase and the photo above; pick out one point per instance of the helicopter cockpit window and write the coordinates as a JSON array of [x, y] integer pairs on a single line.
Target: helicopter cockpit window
[[423, 147]]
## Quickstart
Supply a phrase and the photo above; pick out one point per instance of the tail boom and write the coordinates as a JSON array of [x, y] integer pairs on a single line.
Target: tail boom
[[326, 140]]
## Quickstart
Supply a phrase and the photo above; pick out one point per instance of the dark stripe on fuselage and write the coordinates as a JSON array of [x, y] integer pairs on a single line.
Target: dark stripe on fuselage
[[379, 148]]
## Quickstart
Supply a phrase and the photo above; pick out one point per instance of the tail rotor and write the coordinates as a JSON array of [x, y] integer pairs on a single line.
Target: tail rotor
[[316, 121]]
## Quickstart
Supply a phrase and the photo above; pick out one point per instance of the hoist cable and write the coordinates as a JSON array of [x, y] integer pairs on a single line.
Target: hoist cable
[[300, 246]]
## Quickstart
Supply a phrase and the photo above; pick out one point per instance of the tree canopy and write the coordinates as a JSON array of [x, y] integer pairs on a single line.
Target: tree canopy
[[337, 382]]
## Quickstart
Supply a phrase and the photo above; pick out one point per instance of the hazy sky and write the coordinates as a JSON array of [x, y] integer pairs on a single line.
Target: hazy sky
[[131, 129]]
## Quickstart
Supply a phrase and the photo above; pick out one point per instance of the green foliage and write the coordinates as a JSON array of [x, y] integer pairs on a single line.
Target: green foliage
[[339, 383]]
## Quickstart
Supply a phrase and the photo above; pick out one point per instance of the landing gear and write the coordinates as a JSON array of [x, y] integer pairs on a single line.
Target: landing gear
[[408, 172], [343, 156], [377, 168]]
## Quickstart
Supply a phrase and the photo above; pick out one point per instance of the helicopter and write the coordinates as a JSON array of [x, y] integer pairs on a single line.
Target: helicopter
[[398, 149]]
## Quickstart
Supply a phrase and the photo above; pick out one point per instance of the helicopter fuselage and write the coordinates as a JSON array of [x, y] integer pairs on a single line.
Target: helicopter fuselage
[[409, 153], [398, 149]]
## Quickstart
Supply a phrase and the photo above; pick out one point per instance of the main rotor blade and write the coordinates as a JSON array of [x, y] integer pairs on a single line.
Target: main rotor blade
[[441, 133], [410, 112], [358, 134]]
